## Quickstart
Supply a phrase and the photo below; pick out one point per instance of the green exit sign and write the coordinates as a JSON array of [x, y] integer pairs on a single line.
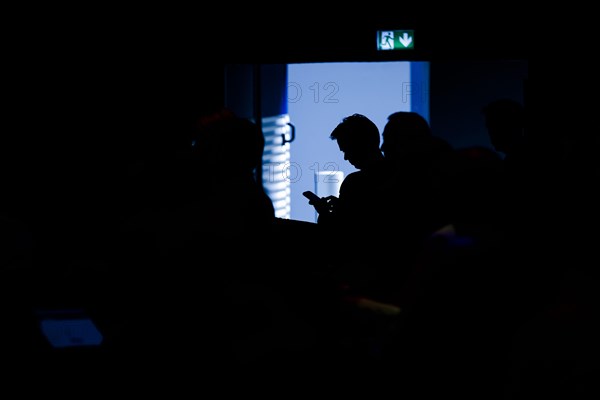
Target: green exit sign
[[396, 40]]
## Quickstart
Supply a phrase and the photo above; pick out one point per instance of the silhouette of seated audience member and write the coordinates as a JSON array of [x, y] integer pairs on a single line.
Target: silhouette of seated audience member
[[210, 190], [231, 148], [215, 283], [266, 324]]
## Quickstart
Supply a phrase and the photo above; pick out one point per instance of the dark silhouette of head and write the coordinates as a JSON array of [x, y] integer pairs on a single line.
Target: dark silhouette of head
[[358, 138], [505, 123], [403, 133], [230, 143]]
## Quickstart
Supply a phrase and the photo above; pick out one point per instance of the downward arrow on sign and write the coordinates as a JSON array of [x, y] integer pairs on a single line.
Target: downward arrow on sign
[[405, 40]]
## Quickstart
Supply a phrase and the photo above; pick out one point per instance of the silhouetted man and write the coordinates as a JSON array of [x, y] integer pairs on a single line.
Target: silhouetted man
[[355, 222], [357, 205]]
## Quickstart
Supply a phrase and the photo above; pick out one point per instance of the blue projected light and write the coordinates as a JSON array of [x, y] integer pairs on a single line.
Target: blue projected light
[[320, 96], [66, 328]]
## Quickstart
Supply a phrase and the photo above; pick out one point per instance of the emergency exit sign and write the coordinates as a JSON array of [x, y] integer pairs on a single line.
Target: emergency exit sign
[[396, 40]]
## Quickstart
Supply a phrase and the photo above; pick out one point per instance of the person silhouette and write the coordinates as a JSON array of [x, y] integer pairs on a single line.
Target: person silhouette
[[412, 199], [358, 138], [201, 244], [387, 40], [234, 146], [418, 159], [354, 220], [505, 123], [210, 187], [408, 141]]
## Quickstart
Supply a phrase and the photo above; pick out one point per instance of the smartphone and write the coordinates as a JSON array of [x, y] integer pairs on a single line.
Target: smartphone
[[311, 196]]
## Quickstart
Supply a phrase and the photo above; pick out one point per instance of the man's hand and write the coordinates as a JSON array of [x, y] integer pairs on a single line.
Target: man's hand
[[324, 205]]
